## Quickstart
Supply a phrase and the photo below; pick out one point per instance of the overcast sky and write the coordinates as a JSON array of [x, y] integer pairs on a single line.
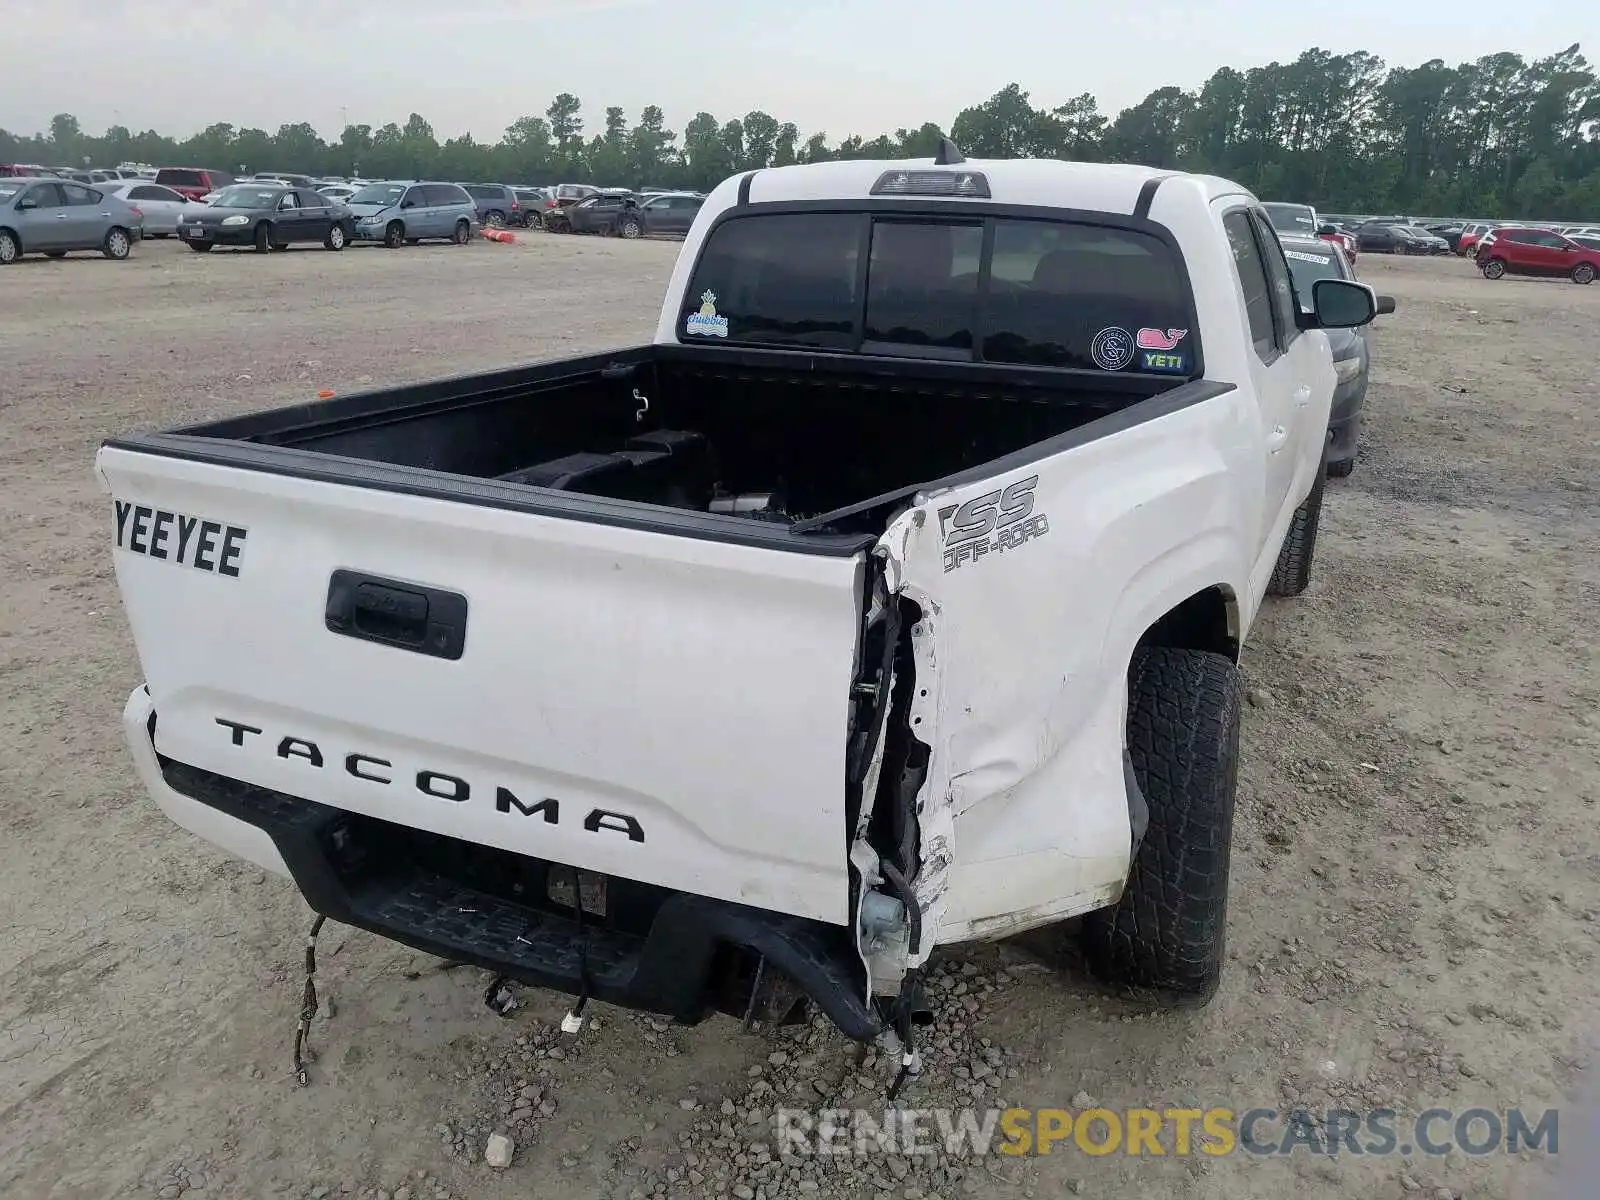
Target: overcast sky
[[477, 65]]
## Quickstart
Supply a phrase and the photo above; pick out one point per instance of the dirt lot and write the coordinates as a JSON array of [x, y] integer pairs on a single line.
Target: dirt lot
[[1417, 872]]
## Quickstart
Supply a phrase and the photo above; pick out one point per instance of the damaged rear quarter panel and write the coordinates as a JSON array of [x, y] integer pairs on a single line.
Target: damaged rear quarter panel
[[1022, 653]]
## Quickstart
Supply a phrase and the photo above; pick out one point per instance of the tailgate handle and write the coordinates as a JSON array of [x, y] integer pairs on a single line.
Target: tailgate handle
[[407, 616]]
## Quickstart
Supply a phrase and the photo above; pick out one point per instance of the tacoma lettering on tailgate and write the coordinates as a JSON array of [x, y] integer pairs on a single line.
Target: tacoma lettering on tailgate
[[441, 785]]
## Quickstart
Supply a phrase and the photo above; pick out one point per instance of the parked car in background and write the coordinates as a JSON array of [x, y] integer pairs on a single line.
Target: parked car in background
[[602, 213], [54, 217], [193, 181], [1450, 231], [1589, 241], [1293, 219], [534, 202], [1311, 259], [1537, 252], [497, 205], [267, 218], [296, 181], [337, 191], [1329, 232], [566, 196], [1424, 242], [669, 212], [25, 171], [1469, 236], [160, 205], [1387, 238], [401, 214]]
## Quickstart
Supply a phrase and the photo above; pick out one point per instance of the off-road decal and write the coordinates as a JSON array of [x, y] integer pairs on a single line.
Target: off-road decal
[[991, 523]]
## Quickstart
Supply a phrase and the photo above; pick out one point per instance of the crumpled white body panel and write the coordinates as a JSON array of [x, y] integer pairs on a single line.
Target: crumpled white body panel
[[1023, 651]]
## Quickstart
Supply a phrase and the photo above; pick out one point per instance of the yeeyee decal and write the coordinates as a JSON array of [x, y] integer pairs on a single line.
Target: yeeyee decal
[[1302, 256], [704, 322]]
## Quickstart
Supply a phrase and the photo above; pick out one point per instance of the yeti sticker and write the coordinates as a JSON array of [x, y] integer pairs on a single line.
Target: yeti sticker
[[704, 321], [1112, 348]]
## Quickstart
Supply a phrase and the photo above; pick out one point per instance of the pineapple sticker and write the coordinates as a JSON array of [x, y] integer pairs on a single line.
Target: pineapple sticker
[[705, 322]]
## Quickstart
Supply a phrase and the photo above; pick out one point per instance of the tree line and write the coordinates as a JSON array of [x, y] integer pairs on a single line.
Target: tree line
[[1497, 137]]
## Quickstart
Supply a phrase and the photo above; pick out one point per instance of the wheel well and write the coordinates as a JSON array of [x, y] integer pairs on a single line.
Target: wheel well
[[1207, 620]]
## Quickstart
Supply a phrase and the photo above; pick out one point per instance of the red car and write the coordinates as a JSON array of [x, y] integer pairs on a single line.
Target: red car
[[1341, 239], [1537, 252], [193, 182]]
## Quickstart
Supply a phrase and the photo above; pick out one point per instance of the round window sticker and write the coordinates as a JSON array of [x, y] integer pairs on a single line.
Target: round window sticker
[[1112, 348]]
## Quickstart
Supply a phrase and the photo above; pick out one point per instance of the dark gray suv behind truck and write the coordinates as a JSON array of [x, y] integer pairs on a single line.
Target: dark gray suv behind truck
[[496, 203]]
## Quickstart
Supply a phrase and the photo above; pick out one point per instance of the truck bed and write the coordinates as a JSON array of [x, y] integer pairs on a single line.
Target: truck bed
[[812, 450]]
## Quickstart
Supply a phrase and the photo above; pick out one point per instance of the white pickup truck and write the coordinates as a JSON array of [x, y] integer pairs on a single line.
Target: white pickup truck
[[891, 597]]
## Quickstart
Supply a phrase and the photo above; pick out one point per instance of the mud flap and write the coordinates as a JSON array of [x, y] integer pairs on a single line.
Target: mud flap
[[1138, 806]]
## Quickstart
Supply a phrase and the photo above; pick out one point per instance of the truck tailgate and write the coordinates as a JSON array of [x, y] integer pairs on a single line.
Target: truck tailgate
[[668, 709]]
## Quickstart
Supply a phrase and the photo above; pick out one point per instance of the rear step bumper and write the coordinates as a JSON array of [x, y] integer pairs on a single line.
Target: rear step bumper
[[346, 866]]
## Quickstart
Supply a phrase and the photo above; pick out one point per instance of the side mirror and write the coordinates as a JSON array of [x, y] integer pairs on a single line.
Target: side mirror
[[1342, 304], [1385, 305], [408, 204], [26, 203]]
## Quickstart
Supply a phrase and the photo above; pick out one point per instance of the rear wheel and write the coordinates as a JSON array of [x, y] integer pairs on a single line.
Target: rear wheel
[[395, 235], [1495, 268], [1167, 930], [263, 237], [336, 239], [10, 248], [118, 244], [1292, 574], [1583, 273], [495, 220], [463, 233]]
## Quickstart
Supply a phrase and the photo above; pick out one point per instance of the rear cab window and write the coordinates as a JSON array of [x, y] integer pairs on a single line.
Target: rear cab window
[[1037, 292], [178, 177]]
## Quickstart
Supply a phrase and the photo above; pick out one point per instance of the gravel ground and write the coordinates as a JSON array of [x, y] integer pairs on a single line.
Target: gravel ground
[[1415, 897]]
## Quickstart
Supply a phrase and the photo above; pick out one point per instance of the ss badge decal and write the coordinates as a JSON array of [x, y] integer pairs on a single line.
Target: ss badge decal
[[991, 523]]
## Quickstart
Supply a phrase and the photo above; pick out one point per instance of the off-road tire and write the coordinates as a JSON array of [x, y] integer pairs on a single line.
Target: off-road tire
[[1583, 273], [1168, 929], [1495, 268], [1292, 574], [1342, 468], [395, 235], [118, 243]]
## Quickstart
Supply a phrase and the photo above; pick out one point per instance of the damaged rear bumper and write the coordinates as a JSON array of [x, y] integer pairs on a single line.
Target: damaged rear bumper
[[672, 953]]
